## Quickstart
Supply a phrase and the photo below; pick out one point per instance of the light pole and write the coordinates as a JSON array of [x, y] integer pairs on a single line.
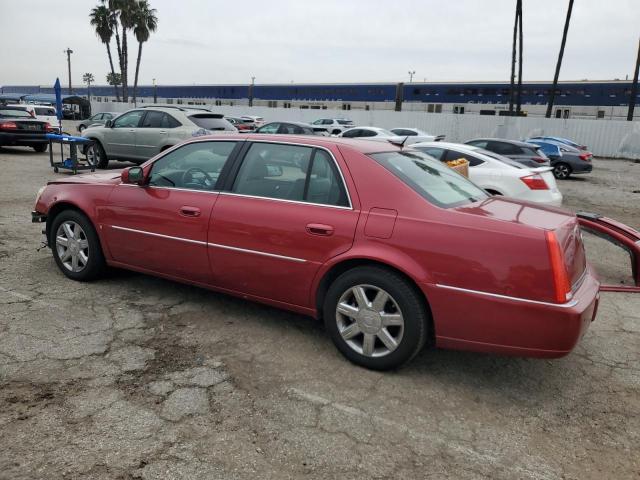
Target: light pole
[[411, 74], [155, 91], [68, 51], [253, 82]]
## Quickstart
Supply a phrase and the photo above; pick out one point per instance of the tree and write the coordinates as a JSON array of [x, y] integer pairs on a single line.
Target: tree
[[516, 24], [634, 88], [126, 10], [88, 79], [145, 22], [552, 95], [102, 20], [114, 79]]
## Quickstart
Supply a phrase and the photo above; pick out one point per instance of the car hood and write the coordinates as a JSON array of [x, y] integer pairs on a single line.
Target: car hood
[[110, 177]]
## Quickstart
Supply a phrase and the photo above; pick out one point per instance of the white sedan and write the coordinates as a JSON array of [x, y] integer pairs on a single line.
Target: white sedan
[[416, 135], [372, 133], [499, 175]]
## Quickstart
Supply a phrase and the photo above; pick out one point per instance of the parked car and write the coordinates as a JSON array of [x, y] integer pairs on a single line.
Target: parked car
[[416, 135], [390, 247], [254, 120], [240, 124], [372, 133], [287, 128], [334, 126], [527, 154], [97, 119], [566, 141], [44, 113], [499, 175], [565, 159], [19, 128], [140, 134]]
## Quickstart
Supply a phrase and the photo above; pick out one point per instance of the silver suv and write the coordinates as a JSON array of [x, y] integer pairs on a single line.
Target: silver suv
[[140, 134]]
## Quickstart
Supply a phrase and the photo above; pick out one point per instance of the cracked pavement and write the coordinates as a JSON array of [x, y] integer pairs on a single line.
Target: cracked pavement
[[136, 377]]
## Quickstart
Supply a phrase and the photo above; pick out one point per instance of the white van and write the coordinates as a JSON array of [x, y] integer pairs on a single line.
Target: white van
[[45, 113]]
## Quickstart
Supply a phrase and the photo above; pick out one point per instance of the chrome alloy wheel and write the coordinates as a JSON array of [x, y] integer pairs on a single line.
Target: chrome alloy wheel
[[72, 246], [369, 320]]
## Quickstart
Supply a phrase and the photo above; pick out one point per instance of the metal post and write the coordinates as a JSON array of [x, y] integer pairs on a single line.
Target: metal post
[[552, 94], [411, 74], [155, 91], [253, 82], [68, 51], [634, 88]]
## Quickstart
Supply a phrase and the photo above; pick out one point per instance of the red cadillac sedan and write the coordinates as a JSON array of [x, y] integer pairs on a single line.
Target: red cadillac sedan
[[388, 246]]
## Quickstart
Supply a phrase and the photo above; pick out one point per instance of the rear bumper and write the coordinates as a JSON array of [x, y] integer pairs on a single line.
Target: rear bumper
[[22, 139], [582, 167], [477, 321]]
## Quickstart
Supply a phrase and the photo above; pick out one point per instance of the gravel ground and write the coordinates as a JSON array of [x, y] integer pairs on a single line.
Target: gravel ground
[[137, 377]]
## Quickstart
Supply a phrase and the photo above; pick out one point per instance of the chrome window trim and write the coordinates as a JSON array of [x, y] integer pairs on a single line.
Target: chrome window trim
[[257, 252], [335, 162], [208, 244], [298, 202], [569, 304]]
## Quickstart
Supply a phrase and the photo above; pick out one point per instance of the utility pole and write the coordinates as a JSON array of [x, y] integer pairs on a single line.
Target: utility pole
[[68, 51], [552, 95], [253, 82], [411, 74], [519, 95], [634, 88], [155, 91]]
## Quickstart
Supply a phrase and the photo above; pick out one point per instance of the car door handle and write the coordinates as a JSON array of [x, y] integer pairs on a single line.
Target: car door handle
[[162, 131], [319, 229], [189, 211]]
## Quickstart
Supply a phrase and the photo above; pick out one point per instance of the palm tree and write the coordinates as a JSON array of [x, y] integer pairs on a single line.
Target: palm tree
[[101, 19], [88, 79], [552, 95], [513, 56], [634, 88], [519, 96], [127, 9], [145, 23]]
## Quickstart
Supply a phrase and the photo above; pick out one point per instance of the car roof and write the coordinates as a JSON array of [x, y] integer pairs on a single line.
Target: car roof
[[362, 146], [504, 140], [460, 146], [299, 124]]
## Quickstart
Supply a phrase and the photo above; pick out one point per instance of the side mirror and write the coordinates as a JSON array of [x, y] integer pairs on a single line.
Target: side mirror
[[133, 175], [108, 124]]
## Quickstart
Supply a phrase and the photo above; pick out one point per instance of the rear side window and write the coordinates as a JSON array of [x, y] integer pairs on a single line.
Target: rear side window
[[403, 132], [291, 172], [479, 143], [345, 122], [155, 119], [211, 122], [352, 133], [503, 148], [435, 182], [289, 128]]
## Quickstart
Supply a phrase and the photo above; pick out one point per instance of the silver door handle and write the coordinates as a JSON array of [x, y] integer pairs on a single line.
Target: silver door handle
[[162, 131], [132, 130]]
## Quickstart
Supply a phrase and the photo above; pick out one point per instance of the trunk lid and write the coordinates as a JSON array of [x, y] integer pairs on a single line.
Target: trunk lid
[[563, 223]]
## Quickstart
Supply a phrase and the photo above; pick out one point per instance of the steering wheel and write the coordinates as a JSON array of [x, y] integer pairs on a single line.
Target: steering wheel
[[190, 181]]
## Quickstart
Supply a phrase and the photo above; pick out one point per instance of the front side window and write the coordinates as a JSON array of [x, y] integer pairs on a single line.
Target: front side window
[[97, 116], [368, 133], [195, 166], [403, 132], [479, 143], [435, 182], [352, 133], [289, 128], [128, 120], [291, 172]]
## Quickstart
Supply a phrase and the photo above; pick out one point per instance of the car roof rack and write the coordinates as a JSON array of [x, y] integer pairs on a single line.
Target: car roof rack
[[177, 107]]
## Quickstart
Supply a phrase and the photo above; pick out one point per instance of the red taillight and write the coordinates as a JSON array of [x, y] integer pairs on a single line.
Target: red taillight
[[586, 156], [8, 126], [535, 182], [561, 283], [539, 160]]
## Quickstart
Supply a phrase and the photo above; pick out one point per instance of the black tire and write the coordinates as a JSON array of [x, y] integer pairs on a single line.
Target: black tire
[[41, 148], [405, 299], [95, 264], [103, 161], [561, 171]]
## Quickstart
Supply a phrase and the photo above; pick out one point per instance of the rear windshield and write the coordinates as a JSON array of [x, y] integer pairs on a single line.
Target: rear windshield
[[211, 122], [14, 112], [345, 122], [536, 151], [496, 156], [434, 181], [45, 111]]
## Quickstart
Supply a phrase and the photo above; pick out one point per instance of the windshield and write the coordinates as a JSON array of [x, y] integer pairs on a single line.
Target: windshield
[[14, 112], [435, 182]]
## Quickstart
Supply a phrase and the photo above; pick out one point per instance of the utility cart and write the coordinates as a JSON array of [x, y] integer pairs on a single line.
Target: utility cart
[[69, 159]]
